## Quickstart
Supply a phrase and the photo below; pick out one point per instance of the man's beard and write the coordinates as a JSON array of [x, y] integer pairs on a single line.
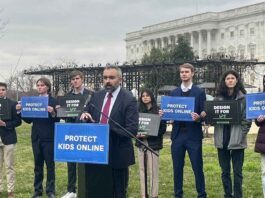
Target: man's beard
[[110, 88]]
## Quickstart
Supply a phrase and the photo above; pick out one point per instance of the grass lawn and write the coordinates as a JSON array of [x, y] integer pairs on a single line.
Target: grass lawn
[[251, 170]]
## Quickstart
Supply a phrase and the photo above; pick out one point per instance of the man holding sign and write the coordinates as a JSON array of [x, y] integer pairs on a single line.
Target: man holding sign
[[187, 136], [77, 78], [42, 138], [231, 139]]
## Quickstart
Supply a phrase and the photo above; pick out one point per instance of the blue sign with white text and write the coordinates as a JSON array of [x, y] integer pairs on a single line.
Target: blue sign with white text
[[34, 106], [255, 105], [82, 143], [177, 108]]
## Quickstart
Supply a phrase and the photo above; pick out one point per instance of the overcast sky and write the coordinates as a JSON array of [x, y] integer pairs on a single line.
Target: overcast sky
[[84, 31]]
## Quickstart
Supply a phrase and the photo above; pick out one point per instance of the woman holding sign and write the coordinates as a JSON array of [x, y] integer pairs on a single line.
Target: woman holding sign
[[230, 139], [147, 104], [42, 138]]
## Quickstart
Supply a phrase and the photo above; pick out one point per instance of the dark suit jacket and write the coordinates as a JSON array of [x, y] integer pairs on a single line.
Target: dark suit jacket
[[8, 133], [194, 129], [124, 112], [43, 128]]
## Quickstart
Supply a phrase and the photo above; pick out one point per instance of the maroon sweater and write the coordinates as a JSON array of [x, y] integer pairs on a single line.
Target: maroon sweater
[[260, 141]]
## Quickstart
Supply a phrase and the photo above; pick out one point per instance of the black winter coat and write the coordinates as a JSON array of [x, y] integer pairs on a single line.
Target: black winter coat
[[260, 141], [8, 133]]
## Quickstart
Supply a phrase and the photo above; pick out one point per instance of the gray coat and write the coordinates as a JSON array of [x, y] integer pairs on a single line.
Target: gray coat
[[238, 131]]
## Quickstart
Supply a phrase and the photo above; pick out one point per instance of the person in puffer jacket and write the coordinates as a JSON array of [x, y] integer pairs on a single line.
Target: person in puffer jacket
[[230, 140], [260, 147]]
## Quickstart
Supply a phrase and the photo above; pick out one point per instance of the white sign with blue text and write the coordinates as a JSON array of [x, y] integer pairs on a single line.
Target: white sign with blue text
[[34, 106], [255, 105], [81, 142], [177, 108]]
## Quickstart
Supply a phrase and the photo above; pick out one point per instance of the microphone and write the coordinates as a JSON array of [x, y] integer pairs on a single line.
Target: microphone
[[88, 99]]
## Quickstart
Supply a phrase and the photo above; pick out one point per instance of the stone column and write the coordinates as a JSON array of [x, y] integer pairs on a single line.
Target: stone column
[[156, 43], [209, 39], [149, 45], [200, 44], [162, 43], [191, 40], [169, 40]]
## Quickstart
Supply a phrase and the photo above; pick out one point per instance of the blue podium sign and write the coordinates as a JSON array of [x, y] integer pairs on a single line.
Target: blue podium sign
[[177, 108], [255, 105], [34, 107], [81, 142]]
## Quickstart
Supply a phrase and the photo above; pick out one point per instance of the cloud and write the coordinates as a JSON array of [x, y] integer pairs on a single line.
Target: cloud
[[46, 32]]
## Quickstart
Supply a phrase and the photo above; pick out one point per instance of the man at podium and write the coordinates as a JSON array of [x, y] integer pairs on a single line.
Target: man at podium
[[118, 108]]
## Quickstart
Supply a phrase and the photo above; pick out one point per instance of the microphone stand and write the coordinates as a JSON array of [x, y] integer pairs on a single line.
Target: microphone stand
[[145, 174]]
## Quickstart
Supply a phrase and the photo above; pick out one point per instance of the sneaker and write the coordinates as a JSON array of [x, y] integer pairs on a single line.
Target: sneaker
[[66, 195], [69, 195]]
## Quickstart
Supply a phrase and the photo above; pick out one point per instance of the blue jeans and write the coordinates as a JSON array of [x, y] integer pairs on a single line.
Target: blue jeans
[[237, 156]]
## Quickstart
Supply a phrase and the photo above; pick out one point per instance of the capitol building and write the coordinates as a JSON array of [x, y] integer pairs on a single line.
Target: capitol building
[[239, 32]]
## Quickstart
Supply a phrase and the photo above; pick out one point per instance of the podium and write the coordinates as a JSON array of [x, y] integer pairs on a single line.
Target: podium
[[88, 146], [95, 181]]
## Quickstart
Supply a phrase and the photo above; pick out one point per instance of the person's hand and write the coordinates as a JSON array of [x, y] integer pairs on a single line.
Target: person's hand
[[161, 113], [2, 123], [18, 106], [261, 118], [140, 135], [50, 109], [203, 114], [86, 117], [195, 116], [57, 106]]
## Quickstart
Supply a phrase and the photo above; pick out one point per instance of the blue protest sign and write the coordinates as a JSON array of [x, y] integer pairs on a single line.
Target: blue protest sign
[[255, 105], [81, 142], [177, 108], [34, 106]]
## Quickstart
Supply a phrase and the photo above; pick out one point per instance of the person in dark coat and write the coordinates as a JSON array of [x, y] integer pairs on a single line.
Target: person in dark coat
[[187, 136], [42, 138], [260, 147], [8, 140], [147, 104], [77, 78], [120, 105]]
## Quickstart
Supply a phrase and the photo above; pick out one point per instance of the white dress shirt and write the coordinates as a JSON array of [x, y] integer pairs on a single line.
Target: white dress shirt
[[113, 99]]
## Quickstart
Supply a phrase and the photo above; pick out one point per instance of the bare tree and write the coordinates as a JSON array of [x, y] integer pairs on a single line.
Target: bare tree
[[21, 84]]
